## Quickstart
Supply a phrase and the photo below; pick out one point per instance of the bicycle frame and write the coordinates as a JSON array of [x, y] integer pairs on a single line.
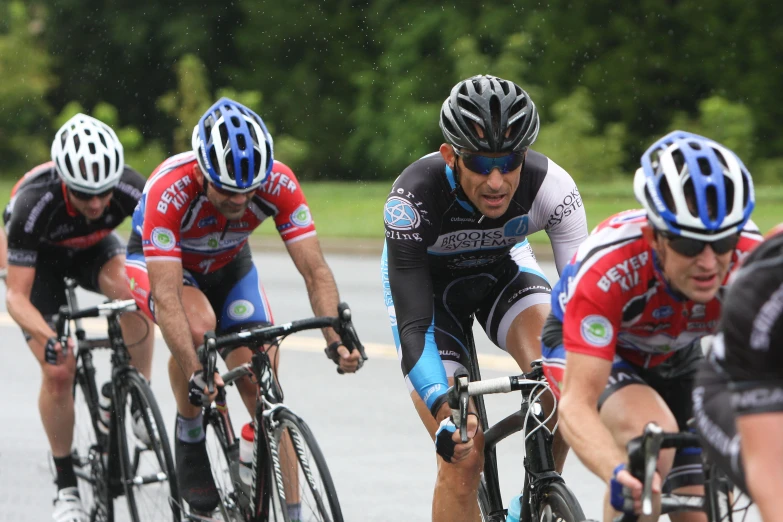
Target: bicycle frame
[[539, 461]]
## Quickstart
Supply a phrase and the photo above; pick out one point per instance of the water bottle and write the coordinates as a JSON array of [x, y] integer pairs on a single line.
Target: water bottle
[[246, 453], [514, 509], [104, 403]]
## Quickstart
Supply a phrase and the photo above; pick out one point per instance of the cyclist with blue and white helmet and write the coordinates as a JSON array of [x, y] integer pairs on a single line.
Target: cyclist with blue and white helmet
[[191, 270], [623, 339]]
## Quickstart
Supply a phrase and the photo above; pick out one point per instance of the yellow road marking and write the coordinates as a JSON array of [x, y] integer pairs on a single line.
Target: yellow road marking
[[303, 343]]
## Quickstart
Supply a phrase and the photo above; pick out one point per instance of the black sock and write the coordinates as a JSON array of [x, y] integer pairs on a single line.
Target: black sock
[[66, 478]]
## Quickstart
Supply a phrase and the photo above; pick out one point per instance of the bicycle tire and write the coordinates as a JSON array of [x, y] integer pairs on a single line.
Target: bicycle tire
[[88, 449], [313, 484], [557, 503], [485, 506], [223, 457], [149, 475]]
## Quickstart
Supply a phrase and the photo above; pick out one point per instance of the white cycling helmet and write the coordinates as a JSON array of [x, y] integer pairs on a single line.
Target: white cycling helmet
[[88, 156], [694, 187]]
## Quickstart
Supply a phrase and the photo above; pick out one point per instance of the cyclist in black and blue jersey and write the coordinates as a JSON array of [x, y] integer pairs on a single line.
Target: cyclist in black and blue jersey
[[457, 222], [738, 393]]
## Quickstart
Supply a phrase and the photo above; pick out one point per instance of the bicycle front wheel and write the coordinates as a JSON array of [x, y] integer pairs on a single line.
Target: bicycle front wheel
[[89, 450], [308, 492], [558, 504], [148, 471]]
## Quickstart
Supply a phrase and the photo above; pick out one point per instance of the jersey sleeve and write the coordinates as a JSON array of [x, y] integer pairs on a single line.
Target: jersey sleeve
[[283, 193], [748, 346], [165, 202], [593, 314], [409, 231], [559, 210], [128, 191], [24, 228]]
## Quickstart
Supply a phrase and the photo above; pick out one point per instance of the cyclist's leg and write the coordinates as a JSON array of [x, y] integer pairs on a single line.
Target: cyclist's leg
[[673, 380], [102, 268], [55, 399], [626, 406], [513, 317], [240, 302]]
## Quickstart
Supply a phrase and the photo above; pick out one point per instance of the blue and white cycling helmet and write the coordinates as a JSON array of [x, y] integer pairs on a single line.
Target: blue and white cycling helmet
[[694, 187], [233, 146]]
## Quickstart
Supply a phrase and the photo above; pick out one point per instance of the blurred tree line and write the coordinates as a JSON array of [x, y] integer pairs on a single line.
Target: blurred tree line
[[352, 89]]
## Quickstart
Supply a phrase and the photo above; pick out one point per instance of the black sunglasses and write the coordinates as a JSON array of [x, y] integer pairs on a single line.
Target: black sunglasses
[[484, 164], [86, 196], [690, 247], [229, 193]]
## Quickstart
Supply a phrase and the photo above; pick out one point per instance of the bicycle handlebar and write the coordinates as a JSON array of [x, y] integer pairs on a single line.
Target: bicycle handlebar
[[463, 389], [343, 325], [65, 315]]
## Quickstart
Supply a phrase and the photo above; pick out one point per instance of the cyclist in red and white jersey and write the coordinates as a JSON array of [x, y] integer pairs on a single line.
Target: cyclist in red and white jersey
[[623, 339], [60, 223], [190, 266]]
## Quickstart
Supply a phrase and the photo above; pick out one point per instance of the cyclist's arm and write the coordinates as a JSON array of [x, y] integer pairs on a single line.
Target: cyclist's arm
[[762, 454], [321, 287], [17, 298], [558, 209], [585, 379], [166, 287]]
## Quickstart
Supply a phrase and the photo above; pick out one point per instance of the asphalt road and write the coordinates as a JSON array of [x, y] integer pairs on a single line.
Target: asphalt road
[[380, 456]]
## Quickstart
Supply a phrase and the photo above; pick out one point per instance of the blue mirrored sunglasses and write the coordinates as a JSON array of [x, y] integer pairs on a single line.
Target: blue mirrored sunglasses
[[485, 164]]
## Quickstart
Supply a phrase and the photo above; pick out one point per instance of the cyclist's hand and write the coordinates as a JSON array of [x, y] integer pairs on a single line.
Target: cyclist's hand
[[624, 486], [197, 389], [448, 441], [53, 351], [349, 361]]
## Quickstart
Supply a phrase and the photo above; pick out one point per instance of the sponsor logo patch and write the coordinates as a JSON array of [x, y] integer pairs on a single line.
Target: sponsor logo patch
[[240, 309], [163, 238], [399, 214], [597, 330], [301, 216]]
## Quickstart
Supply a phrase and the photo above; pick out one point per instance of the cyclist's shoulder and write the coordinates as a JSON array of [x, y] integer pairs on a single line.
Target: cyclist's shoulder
[[131, 183], [179, 166], [427, 175], [38, 180], [281, 182]]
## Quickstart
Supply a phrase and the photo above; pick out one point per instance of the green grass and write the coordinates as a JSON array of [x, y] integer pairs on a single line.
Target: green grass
[[355, 209]]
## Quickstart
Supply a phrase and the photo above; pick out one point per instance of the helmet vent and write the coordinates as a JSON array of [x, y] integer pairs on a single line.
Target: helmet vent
[[679, 161], [241, 142], [244, 168], [235, 122], [712, 201], [704, 165], [92, 148]]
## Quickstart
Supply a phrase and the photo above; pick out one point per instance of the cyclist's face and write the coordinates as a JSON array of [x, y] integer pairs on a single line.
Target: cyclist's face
[[91, 207], [698, 277], [490, 193], [232, 205]]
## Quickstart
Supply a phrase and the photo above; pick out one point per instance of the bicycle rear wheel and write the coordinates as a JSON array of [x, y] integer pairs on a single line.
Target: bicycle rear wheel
[[148, 470], [89, 449], [557, 503], [307, 483]]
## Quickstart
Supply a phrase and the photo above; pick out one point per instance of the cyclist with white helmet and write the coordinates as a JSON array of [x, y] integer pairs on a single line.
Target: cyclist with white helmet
[[191, 268], [60, 222], [623, 339], [457, 222]]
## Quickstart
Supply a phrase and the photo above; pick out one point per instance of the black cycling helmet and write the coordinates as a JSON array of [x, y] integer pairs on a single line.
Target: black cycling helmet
[[495, 105]]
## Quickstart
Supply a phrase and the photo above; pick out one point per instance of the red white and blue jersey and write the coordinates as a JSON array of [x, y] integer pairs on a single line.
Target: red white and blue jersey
[[174, 220], [613, 300]]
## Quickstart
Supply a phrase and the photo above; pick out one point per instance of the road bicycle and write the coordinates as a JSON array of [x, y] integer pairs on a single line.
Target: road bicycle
[[719, 501], [288, 466], [112, 459], [546, 497]]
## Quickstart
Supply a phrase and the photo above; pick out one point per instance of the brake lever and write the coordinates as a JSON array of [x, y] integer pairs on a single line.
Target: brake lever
[[458, 398], [210, 347], [653, 440]]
